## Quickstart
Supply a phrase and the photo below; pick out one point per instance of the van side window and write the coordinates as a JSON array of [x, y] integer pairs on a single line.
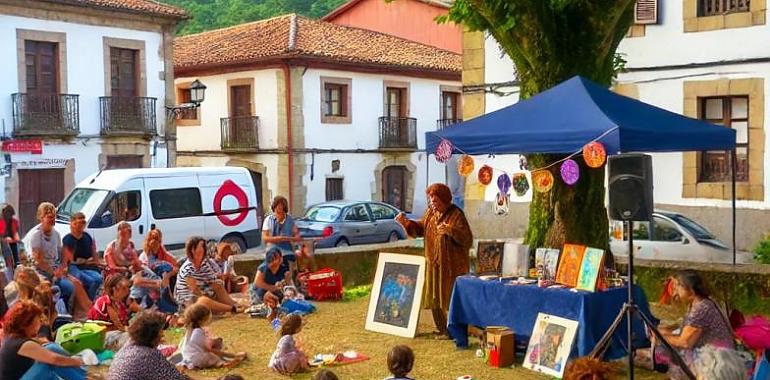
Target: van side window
[[176, 203], [123, 206]]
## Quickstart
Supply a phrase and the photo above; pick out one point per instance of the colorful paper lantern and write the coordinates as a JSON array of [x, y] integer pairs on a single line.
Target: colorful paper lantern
[[520, 184], [570, 172], [542, 180], [501, 203], [444, 151], [485, 175], [465, 165], [594, 154], [504, 183]]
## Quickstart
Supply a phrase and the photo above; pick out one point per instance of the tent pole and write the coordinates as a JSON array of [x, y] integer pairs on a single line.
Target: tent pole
[[733, 166], [427, 169]]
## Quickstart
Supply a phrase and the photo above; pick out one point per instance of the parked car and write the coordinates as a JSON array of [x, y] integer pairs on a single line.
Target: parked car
[[343, 223], [215, 203], [670, 236]]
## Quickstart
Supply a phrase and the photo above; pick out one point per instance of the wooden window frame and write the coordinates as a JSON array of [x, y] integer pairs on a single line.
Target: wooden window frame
[[334, 179], [23, 35], [181, 87], [457, 91], [727, 120], [346, 101], [694, 22], [240, 82], [404, 101], [141, 61]]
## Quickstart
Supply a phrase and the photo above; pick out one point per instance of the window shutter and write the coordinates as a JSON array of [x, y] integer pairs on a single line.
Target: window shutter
[[646, 12]]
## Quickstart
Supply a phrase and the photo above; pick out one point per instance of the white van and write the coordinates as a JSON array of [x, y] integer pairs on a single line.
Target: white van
[[218, 203]]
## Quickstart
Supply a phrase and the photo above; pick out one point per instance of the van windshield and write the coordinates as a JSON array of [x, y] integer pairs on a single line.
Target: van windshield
[[82, 200]]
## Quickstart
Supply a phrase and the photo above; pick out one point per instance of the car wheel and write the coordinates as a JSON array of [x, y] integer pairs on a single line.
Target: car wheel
[[237, 240], [393, 237], [342, 243]]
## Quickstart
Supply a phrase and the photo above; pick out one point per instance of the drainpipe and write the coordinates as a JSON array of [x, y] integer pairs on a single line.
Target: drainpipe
[[289, 144]]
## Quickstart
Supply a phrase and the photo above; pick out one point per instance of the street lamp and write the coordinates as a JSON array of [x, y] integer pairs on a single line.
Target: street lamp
[[197, 94]]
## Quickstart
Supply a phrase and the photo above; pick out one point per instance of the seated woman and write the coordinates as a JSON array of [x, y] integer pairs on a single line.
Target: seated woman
[[21, 357], [122, 258], [279, 230], [223, 263], [272, 276], [113, 306], [197, 281], [163, 266], [140, 359], [81, 257], [704, 324]]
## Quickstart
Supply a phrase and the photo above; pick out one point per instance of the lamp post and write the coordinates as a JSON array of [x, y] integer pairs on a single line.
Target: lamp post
[[197, 95]]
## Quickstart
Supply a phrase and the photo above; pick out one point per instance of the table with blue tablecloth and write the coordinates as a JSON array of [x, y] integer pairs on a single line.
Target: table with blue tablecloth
[[493, 303]]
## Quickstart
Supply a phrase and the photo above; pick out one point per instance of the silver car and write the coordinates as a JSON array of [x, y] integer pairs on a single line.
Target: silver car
[[343, 223]]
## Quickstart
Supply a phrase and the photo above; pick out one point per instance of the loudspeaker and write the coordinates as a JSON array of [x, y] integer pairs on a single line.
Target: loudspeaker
[[630, 187]]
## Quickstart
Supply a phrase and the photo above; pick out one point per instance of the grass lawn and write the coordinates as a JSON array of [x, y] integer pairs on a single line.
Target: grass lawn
[[338, 327]]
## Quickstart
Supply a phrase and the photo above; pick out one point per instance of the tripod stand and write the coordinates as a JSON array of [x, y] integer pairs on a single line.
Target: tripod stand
[[628, 311]]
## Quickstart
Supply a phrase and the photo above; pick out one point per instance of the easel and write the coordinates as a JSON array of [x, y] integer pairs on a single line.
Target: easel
[[629, 309]]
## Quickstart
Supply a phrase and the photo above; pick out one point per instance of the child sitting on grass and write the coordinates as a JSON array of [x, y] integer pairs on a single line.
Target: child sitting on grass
[[199, 350], [114, 306], [400, 362], [288, 357]]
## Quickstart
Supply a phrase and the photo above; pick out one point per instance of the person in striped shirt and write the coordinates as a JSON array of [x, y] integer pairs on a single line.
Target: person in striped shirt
[[198, 282]]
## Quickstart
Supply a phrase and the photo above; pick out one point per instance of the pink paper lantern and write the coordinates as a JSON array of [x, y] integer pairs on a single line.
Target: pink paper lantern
[[444, 151]]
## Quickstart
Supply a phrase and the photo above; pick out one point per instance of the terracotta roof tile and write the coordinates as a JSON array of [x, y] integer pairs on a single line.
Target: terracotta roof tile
[[150, 7], [312, 39]]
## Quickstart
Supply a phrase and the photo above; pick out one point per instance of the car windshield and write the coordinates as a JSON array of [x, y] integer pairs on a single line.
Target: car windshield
[[322, 213], [696, 229], [83, 200]]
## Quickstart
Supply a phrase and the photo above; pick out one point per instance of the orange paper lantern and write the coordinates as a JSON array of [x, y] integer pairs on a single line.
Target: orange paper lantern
[[542, 181], [594, 154], [465, 165]]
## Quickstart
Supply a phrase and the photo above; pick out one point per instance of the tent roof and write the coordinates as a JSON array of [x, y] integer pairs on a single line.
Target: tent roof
[[566, 117]]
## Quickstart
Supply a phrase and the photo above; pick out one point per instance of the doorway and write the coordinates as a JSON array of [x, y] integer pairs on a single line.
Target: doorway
[[394, 186], [37, 186]]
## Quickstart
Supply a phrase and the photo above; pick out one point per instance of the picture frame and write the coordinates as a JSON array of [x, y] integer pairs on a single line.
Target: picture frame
[[489, 257], [569, 264], [394, 304], [590, 269], [550, 344], [547, 263], [515, 258]]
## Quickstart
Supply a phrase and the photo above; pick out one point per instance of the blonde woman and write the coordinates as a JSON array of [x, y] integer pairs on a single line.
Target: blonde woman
[[121, 257]]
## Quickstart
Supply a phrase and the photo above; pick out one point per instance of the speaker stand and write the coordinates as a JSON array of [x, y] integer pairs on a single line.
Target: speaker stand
[[628, 311]]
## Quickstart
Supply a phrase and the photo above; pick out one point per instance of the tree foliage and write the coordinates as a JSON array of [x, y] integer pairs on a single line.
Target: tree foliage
[[550, 41], [213, 14]]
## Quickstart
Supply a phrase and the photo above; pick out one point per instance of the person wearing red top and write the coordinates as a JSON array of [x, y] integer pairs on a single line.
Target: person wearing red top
[[9, 227], [113, 307]]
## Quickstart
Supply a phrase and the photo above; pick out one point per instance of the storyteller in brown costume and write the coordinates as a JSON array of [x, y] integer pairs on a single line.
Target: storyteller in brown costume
[[448, 238]]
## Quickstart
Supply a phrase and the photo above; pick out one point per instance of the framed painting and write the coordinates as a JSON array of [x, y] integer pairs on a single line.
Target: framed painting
[[394, 306], [590, 268], [569, 264], [515, 258], [489, 257], [546, 262], [550, 344]]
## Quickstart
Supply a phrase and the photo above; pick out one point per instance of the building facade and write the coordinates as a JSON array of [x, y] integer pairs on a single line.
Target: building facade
[[701, 58], [318, 111], [84, 88]]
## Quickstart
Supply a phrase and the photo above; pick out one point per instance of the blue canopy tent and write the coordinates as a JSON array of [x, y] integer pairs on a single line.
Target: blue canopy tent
[[566, 117]]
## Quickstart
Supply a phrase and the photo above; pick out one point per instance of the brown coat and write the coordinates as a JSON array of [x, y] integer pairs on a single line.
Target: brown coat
[[446, 255]]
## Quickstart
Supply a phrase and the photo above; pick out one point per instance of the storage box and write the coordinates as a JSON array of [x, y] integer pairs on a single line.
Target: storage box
[[326, 284], [76, 337], [500, 346]]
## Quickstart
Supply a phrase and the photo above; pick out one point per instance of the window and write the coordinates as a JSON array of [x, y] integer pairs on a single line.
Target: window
[[380, 212], [322, 214], [334, 189], [357, 213], [124, 161], [732, 112], [335, 100], [124, 206], [123, 72], [720, 7], [41, 67], [665, 231], [184, 96], [449, 105], [176, 203]]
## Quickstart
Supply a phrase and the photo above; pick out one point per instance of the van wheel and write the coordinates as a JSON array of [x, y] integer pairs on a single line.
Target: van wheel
[[342, 243], [234, 239], [393, 237]]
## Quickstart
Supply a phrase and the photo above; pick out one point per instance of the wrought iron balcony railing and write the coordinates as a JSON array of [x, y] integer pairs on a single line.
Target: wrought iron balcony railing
[[128, 116], [240, 133], [443, 123], [45, 115], [398, 132]]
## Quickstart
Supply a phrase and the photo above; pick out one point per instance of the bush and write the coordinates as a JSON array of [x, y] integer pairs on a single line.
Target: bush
[[762, 250]]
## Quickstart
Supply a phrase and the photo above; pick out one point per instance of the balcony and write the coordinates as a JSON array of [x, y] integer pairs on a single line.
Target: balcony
[[239, 134], [45, 115], [443, 123], [128, 116], [398, 133]]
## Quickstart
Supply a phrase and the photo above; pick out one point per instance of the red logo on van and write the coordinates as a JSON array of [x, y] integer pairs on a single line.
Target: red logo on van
[[230, 188]]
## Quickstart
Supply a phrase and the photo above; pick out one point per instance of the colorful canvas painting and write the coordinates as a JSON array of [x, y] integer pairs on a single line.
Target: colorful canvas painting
[[550, 344], [551, 264], [593, 259], [489, 257], [394, 305], [569, 264]]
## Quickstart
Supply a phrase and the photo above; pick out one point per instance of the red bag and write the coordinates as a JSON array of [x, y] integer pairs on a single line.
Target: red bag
[[326, 284]]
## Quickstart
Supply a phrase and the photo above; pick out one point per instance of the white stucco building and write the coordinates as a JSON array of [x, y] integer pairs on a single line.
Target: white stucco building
[[704, 59], [317, 111], [83, 85]]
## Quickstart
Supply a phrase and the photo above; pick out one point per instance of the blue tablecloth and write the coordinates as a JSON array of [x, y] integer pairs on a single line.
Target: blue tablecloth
[[492, 303]]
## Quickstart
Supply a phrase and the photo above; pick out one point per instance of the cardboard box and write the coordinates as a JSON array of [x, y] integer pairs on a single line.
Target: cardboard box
[[500, 338]]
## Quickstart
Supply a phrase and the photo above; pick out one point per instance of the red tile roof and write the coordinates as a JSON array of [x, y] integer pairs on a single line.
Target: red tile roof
[[293, 36], [148, 7]]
